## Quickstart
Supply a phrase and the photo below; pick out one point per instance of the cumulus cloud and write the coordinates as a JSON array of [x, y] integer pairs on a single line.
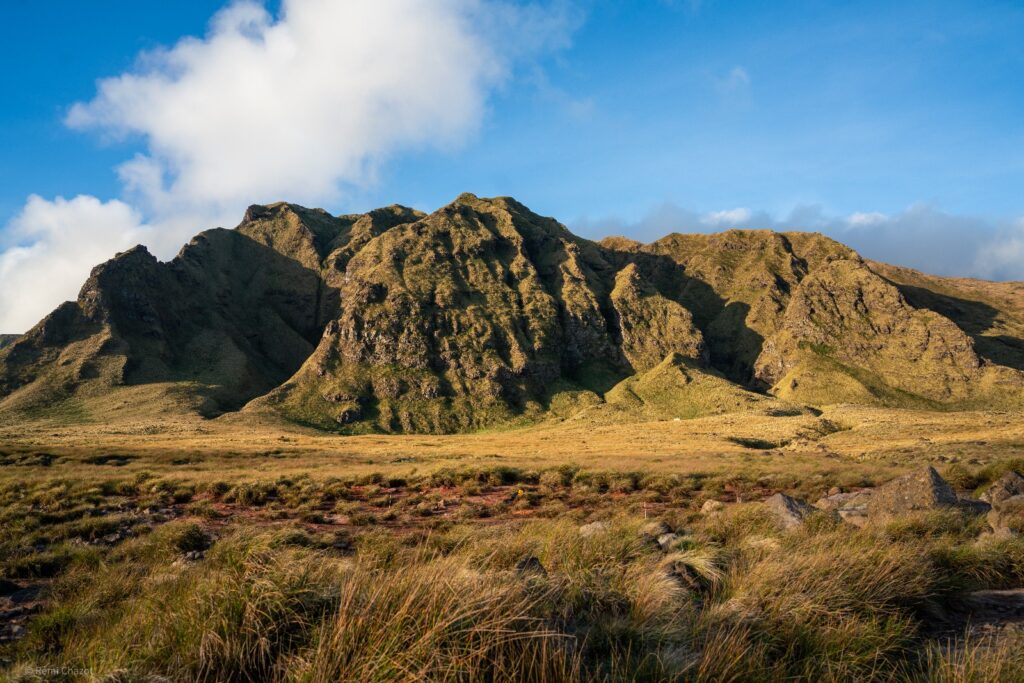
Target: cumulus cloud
[[264, 108], [298, 106], [50, 244], [921, 236], [866, 218]]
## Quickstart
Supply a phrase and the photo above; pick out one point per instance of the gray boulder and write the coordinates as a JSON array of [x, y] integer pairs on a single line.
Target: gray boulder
[[920, 490], [711, 506], [667, 541], [652, 530], [1007, 486], [593, 529], [788, 510], [530, 565], [1007, 518]]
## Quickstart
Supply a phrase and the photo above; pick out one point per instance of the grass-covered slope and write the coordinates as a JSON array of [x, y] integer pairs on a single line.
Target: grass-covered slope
[[485, 314], [991, 313], [678, 388], [465, 318], [848, 335], [225, 321]]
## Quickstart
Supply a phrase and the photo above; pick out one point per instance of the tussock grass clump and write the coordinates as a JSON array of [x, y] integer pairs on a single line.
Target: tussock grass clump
[[465, 626]]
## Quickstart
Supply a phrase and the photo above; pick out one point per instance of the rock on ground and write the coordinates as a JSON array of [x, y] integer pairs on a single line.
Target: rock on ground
[[790, 511], [531, 565], [710, 506], [1007, 486], [1007, 516], [592, 529], [652, 530], [920, 490]]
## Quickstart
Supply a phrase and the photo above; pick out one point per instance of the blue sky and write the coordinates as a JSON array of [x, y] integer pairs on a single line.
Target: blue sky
[[895, 126]]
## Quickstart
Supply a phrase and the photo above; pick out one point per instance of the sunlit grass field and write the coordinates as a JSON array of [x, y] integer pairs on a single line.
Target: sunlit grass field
[[228, 550]]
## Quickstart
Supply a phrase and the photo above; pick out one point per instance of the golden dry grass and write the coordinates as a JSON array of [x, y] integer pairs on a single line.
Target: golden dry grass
[[875, 441]]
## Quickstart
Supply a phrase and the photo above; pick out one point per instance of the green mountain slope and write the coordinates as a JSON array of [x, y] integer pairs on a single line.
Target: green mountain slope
[[485, 314]]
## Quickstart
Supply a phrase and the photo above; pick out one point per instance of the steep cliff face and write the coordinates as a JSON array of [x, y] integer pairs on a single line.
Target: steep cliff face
[[472, 315], [738, 283], [228, 319], [485, 313], [845, 316], [652, 326]]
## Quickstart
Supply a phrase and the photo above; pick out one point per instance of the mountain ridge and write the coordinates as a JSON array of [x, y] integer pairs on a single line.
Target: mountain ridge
[[484, 313]]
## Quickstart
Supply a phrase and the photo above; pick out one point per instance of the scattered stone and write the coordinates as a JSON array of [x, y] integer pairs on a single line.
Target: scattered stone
[[194, 555], [685, 575], [24, 595], [1007, 518], [974, 507], [857, 516], [667, 541], [838, 501], [851, 506], [1007, 486], [788, 510], [920, 490], [835, 491], [592, 529], [711, 506], [531, 565], [917, 491], [653, 530]]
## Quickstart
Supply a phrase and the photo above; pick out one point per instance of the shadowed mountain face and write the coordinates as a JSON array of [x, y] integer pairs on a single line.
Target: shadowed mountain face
[[485, 313]]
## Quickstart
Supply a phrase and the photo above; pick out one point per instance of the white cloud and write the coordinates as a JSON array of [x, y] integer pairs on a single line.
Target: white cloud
[[729, 218], [262, 109], [299, 106], [54, 245], [736, 81], [866, 218]]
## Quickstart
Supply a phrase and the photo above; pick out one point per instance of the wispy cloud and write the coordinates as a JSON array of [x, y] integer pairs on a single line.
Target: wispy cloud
[[727, 218], [737, 79], [921, 236]]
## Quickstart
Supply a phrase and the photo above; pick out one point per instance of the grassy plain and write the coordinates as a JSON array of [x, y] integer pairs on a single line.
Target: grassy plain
[[246, 550]]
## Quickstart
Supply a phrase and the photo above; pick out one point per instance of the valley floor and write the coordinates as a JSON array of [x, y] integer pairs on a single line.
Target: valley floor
[[232, 549], [848, 438]]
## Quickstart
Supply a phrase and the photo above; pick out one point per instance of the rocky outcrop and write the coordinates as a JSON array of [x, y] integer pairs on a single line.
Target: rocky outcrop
[[923, 490], [1007, 516], [917, 491], [1006, 497]]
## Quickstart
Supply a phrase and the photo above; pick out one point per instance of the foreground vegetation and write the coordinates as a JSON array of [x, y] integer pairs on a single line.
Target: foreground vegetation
[[495, 573]]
